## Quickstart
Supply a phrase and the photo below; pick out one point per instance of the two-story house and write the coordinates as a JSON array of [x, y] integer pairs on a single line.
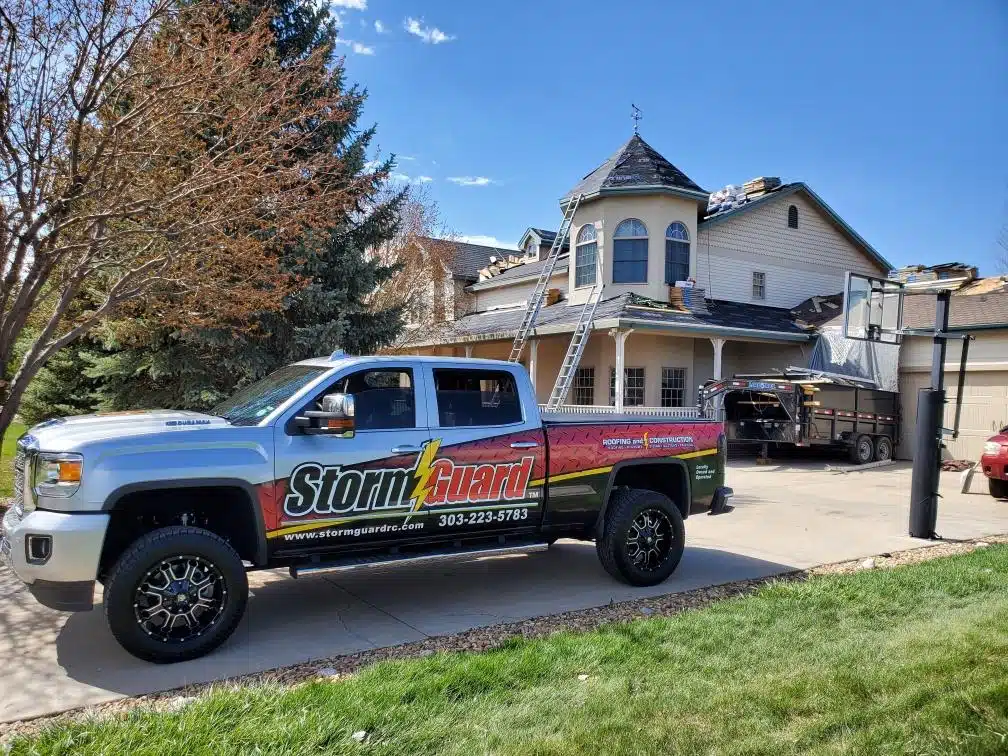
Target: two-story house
[[691, 292]]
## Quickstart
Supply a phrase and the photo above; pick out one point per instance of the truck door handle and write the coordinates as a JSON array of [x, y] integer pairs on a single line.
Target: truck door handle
[[406, 449], [524, 444]]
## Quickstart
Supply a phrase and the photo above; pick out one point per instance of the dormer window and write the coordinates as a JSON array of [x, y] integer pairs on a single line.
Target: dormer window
[[586, 256], [676, 253], [532, 249], [792, 216], [630, 252]]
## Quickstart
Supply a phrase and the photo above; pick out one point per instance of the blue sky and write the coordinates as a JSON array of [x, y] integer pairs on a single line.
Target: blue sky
[[896, 113]]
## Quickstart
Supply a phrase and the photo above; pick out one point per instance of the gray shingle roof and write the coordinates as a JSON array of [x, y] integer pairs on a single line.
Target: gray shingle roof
[[965, 309], [502, 324], [469, 259], [983, 303], [546, 236], [634, 165]]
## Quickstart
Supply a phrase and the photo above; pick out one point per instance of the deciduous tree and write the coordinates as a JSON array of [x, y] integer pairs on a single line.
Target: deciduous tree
[[153, 160]]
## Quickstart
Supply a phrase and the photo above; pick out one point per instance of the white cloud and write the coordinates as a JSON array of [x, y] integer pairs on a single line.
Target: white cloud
[[357, 47], [486, 241], [429, 34], [470, 180], [379, 27], [371, 165], [351, 4], [405, 157], [411, 179]]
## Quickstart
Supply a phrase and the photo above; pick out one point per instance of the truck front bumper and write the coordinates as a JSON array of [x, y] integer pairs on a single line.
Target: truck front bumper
[[55, 555]]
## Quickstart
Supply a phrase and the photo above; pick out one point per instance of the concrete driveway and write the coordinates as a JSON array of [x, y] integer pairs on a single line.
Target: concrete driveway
[[787, 516]]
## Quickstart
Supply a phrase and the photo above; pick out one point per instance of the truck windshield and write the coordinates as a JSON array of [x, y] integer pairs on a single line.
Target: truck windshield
[[251, 404]]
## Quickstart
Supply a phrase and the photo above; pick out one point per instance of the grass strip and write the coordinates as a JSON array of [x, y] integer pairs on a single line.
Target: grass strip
[[911, 660]]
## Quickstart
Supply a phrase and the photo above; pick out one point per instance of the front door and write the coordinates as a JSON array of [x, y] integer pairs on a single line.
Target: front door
[[487, 451], [337, 492]]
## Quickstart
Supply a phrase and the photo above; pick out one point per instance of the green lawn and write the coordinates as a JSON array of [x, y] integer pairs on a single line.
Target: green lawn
[[7, 459], [908, 661]]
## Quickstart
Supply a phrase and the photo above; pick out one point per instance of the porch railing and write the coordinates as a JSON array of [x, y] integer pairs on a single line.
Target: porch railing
[[684, 413]]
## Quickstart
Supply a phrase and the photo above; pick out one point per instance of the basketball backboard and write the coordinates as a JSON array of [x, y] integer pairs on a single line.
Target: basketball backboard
[[873, 309]]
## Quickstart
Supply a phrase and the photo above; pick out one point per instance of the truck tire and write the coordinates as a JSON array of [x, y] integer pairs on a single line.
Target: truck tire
[[643, 537], [883, 449], [863, 450], [998, 488], [175, 594]]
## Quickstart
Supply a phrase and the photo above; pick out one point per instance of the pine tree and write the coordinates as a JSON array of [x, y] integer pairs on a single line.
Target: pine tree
[[141, 365]]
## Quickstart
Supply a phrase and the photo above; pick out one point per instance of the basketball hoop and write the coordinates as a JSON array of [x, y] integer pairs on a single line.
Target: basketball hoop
[[873, 309]]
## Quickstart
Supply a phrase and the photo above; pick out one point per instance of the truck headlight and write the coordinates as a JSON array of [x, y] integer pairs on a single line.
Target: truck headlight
[[992, 447], [57, 474]]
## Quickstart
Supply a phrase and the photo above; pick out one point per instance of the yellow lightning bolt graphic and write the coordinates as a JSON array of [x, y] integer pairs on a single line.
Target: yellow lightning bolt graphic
[[422, 474]]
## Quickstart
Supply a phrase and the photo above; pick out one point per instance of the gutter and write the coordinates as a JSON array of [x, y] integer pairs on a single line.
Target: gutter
[[710, 330], [645, 189]]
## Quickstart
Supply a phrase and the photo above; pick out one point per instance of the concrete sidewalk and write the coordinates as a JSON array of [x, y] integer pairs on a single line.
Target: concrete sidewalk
[[789, 516]]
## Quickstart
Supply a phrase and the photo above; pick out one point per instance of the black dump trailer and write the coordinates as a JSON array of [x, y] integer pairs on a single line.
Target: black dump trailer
[[806, 408]]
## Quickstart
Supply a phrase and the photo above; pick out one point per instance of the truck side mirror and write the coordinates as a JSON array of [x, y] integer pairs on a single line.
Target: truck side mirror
[[336, 418]]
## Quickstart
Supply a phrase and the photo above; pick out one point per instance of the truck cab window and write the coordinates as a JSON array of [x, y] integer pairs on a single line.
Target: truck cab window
[[476, 398], [384, 398]]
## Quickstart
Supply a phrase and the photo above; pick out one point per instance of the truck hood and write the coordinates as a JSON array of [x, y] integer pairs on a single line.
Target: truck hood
[[69, 433]]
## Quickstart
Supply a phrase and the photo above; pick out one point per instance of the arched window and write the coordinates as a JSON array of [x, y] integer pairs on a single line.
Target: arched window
[[676, 253], [586, 256], [630, 252], [792, 216]]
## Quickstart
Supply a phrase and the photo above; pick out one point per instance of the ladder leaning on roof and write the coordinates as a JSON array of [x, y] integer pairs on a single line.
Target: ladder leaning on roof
[[539, 292], [582, 331]]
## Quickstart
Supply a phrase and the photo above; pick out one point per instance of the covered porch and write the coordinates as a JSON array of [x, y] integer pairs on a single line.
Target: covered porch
[[636, 361]]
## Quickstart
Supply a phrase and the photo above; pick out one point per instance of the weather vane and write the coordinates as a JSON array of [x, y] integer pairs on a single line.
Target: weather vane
[[635, 114]]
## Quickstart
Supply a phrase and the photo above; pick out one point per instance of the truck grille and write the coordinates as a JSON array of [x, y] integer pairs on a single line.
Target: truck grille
[[19, 480]]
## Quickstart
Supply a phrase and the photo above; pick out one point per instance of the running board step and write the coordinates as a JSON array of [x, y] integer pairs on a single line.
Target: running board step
[[353, 563]]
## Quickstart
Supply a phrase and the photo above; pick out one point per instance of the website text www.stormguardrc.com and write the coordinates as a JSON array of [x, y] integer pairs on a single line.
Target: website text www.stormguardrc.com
[[361, 530]]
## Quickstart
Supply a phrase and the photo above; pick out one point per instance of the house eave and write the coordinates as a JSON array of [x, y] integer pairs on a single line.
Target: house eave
[[605, 324], [623, 191]]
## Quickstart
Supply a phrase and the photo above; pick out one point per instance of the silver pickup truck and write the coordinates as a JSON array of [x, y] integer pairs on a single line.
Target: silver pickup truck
[[338, 462]]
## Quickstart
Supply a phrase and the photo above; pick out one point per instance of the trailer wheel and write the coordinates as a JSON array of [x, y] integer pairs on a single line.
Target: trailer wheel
[[643, 538], [863, 450], [175, 594], [883, 449]]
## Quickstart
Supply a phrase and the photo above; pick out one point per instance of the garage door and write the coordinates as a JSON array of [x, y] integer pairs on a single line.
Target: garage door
[[984, 411]]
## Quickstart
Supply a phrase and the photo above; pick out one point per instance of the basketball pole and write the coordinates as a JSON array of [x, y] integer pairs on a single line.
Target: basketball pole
[[930, 418]]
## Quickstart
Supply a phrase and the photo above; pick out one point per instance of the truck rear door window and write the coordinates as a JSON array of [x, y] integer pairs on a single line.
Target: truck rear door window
[[468, 398]]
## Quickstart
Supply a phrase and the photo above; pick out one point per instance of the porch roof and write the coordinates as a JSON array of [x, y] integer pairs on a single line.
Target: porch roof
[[721, 318]]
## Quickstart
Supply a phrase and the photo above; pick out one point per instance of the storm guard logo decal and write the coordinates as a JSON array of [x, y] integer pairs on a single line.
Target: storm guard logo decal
[[431, 482]]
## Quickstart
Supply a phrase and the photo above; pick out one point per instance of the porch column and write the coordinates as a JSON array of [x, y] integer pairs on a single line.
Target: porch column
[[533, 360], [718, 346], [620, 337], [468, 348]]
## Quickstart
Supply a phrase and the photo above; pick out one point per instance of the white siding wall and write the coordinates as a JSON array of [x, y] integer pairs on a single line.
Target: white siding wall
[[799, 263], [518, 293]]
